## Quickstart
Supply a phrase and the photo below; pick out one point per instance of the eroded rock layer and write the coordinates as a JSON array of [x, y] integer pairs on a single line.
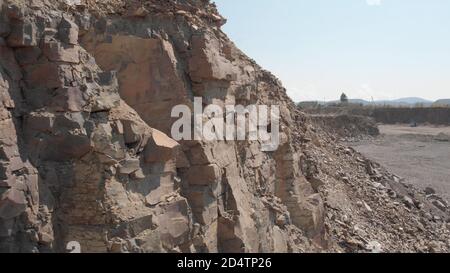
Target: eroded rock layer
[[87, 89]]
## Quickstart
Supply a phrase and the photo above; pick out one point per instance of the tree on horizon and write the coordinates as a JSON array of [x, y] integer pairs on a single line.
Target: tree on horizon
[[344, 98]]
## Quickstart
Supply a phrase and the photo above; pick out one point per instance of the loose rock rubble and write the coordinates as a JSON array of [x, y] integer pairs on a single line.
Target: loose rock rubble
[[371, 210], [87, 89], [348, 127]]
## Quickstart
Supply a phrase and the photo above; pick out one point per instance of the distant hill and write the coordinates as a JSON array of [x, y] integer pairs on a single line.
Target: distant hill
[[359, 101], [352, 101], [410, 101], [442, 102]]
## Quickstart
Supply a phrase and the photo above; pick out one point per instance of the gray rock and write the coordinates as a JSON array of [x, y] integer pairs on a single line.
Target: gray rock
[[129, 166], [438, 204], [374, 247], [408, 201], [4, 27], [68, 31], [430, 191]]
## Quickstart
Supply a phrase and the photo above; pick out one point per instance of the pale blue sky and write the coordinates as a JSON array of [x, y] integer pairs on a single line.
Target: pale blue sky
[[318, 48]]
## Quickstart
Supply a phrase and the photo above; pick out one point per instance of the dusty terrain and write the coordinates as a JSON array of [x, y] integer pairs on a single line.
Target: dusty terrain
[[420, 155]]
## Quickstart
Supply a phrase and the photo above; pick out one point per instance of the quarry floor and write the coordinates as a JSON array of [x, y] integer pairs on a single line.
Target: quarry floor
[[412, 153]]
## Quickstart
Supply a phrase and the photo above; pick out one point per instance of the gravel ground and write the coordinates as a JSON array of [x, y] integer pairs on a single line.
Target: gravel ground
[[414, 154]]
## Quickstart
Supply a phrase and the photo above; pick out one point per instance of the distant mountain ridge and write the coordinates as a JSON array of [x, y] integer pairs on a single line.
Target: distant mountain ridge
[[405, 102], [408, 101], [442, 102]]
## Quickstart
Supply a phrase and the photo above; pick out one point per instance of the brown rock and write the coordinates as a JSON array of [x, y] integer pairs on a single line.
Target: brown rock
[[68, 99], [279, 240], [206, 64], [22, 35], [203, 175], [160, 148], [174, 223], [58, 52], [310, 215], [132, 132], [27, 55], [66, 147], [40, 123], [138, 12], [43, 75], [15, 11], [46, 239], [12, 204]]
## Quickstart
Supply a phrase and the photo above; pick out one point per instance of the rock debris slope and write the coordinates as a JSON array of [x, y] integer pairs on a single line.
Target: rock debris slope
[[87, 89]]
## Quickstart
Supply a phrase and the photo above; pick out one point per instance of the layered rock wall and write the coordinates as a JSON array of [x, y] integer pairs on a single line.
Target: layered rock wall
[[87, 99]]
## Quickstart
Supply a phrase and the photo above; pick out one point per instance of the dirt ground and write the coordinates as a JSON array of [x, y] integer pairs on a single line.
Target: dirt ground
[[421, 155]]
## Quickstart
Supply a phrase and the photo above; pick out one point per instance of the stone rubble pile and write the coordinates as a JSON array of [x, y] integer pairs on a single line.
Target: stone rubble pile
[[371, 210], [346, 127]]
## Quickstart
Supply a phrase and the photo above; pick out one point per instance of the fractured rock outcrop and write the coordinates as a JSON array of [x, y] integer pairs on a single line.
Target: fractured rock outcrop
[[108, 179]]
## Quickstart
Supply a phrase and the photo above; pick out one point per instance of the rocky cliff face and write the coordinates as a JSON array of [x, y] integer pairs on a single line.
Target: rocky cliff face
[[87, 89]]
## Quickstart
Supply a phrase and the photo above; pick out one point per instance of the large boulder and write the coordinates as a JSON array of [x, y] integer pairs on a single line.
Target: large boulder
[[160, 148], [174, 223], [12, 204]]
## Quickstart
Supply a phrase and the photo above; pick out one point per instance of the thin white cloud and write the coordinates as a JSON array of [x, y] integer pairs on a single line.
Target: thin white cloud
[[304, 92], [367, 92], [374, 2]]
